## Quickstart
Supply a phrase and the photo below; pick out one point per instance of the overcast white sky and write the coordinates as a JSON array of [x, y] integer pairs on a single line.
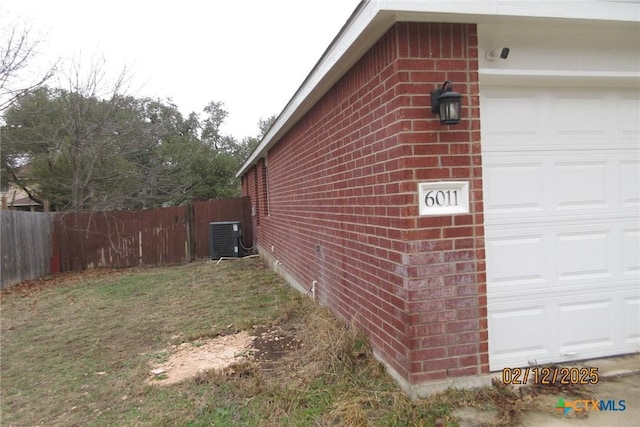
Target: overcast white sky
[[250, 54]]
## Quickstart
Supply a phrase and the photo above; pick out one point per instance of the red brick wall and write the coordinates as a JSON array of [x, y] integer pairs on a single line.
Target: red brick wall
[[250, 188], [343, 204]]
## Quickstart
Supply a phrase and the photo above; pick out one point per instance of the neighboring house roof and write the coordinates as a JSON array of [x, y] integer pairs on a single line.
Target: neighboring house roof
[[371, 19], [24, 201], [17, 198], [15, 195]]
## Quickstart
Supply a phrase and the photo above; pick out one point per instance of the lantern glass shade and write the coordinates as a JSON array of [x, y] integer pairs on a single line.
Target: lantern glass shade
[[446, 103], [450, 108]]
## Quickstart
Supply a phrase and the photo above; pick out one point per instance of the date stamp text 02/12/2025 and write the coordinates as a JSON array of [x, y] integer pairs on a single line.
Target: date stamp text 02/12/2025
[[550, 375]]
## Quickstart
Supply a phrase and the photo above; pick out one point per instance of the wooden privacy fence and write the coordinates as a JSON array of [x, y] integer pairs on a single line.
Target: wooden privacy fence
[[226, 210], [121, 238], [37, 244], [25, 245], [155, 237]]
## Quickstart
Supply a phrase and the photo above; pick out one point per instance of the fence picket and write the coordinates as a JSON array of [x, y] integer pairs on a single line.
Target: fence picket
[[25, 245]]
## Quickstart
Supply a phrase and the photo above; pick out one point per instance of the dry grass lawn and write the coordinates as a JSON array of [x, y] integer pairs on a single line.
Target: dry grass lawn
[[78, 350]]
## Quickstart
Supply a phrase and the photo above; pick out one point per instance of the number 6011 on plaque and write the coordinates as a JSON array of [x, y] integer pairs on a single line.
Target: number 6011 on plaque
[[443, 198]]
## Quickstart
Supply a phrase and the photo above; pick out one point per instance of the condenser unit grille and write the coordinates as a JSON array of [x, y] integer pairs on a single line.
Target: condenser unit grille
[[224, 239]]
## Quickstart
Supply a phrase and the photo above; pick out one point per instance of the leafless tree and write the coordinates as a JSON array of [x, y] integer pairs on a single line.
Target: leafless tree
[[18, 49], [96, 137]]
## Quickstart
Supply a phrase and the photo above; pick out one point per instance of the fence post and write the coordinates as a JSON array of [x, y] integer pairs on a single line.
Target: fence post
[[191, 231], [54, 264]]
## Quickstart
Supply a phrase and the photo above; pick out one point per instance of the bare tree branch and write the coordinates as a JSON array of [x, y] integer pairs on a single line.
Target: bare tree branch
[[20, 183], [17, 53]]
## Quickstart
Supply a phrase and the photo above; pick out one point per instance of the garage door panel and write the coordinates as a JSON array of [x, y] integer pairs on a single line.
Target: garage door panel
[[630, 183], [584, 255], [582, 326], [581, 184], [631, 313], [523, 125], [565, 328], [527, 326], [543, 185], [599, 324], [628, 111], [566, 255], [532, 119], [575, 114], [630, 252], [523, 262], [505, 197], [561, 184]]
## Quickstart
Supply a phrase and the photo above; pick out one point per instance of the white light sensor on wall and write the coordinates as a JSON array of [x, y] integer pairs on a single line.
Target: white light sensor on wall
[[499, 52]]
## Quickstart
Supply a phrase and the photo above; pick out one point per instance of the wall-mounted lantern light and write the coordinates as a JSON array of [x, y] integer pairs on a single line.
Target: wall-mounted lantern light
[[446, 103]]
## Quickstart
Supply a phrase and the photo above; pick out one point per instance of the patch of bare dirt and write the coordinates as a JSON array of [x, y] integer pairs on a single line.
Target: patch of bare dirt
[[272, 344], [188, 359]]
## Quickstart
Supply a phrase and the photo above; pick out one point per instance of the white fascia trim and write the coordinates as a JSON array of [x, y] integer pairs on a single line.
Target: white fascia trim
[[599, 10], [372, 18]]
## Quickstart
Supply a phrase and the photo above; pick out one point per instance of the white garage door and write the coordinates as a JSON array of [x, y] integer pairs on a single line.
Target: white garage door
[[561, 172]]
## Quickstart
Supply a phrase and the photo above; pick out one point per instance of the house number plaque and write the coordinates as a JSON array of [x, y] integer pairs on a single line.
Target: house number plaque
[[443, 198]]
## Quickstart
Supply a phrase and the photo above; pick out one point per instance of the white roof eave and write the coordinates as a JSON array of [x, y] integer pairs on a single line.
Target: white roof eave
[[372, 18]]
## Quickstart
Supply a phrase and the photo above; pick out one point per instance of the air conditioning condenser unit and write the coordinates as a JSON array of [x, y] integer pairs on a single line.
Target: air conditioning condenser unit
[[224, 239]]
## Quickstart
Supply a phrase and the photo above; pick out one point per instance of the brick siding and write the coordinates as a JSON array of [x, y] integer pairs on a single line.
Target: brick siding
[[343, 204]]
